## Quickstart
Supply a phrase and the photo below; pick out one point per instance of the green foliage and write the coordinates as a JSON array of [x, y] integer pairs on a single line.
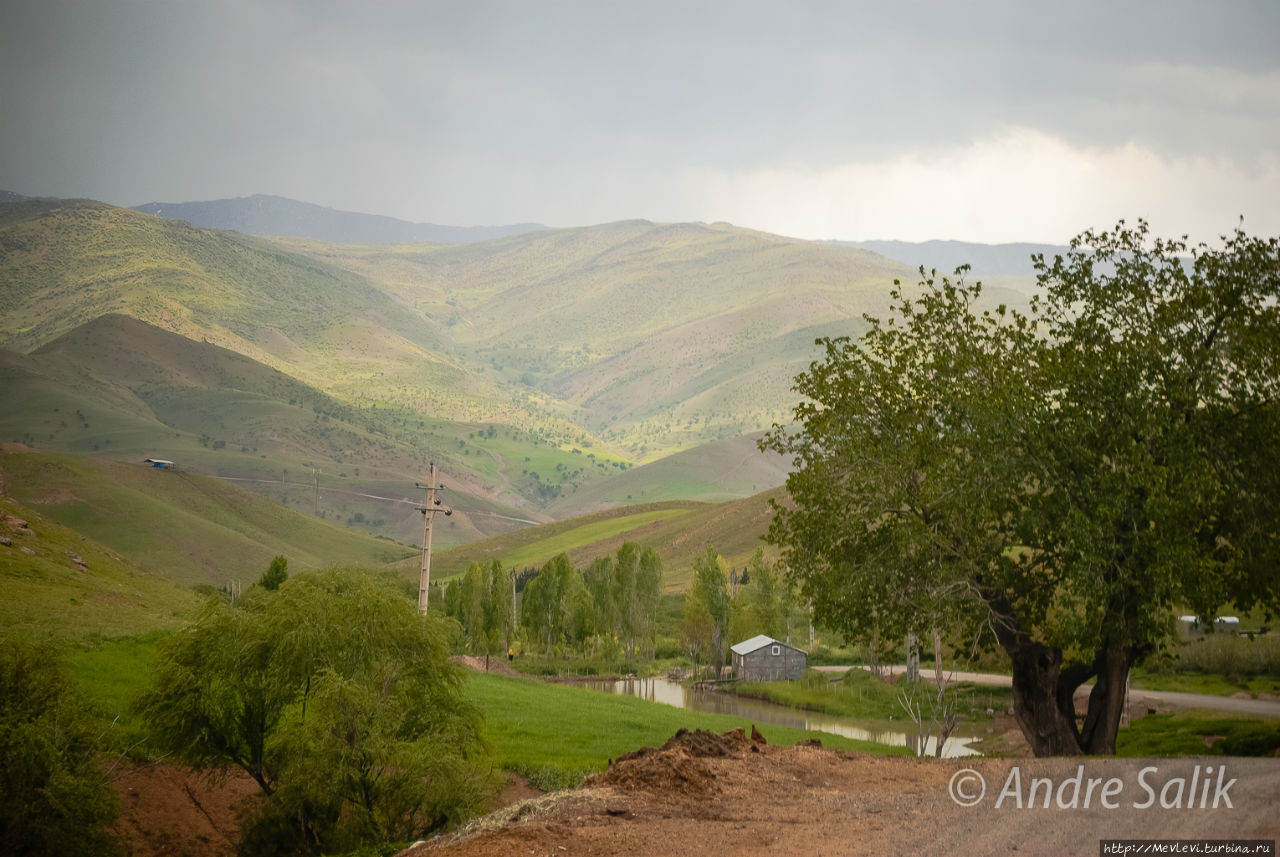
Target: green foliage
[[555, 607], [707, 610], [337, 698], [1183, 735], [860, 694], [636, 587], [54, 799], [1064, 478], [483, 602], [765, 602], [276, 574]]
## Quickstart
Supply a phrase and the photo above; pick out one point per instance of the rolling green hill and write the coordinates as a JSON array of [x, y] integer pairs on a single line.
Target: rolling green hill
[[189, 529], [656, 336], [60, 583], [536, 369], [67, 262], [679, 531], [119, 387], [713, 472]]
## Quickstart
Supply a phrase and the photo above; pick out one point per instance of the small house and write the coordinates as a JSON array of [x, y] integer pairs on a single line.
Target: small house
[[762, 658], [163, 464]]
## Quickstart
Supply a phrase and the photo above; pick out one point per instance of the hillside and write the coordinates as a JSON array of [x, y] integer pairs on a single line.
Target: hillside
[[119, 387], [656, 336], [986, 260], [261, 214], [536, 369], [60, 583], [713, 472], [679, 531], [189, 529]]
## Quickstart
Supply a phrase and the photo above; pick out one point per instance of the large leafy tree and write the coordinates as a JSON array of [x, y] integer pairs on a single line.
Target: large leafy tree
[[707, 608], [1064, 478], [556, 607], [337, 698], [636, 589]]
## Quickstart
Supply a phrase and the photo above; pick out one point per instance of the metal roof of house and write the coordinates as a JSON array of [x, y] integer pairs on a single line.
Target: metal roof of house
[[759, 641]]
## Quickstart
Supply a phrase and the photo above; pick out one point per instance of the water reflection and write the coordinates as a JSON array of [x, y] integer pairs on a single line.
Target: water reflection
[[760, 711]]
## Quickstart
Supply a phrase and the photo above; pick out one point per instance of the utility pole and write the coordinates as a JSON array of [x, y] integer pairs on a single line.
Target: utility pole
[[428, 511]]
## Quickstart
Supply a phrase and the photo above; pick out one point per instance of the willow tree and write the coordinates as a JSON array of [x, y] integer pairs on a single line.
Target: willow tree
[[1065, 478], [338, 699]]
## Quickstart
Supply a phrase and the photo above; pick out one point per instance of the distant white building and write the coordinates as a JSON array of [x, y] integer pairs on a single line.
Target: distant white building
[[1193, 625], [161, 463]]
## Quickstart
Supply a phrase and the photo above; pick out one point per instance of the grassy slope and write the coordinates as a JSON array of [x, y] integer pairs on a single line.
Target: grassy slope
[[120, 387], [680, 532], [661, 335], [192, 529], [45, 592], [533, 546], [713, 472], [655, 337]]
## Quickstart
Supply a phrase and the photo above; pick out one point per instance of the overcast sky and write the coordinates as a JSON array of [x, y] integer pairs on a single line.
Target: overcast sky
[[979, 121]]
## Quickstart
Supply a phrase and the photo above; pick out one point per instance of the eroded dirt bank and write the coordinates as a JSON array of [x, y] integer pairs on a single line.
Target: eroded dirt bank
[[729, 795]]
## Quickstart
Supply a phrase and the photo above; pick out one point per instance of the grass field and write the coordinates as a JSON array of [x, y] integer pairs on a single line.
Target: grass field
[[554, 734], [551, 733]]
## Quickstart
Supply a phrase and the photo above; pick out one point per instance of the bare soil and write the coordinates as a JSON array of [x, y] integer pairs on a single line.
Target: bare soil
[[173, 811], [728, 794]]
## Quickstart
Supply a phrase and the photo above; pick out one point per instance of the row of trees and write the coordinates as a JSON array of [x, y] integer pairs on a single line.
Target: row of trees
[[610, 605], [1062, 479]]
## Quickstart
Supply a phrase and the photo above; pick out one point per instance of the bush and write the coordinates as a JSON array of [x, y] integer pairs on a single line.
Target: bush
[[53, 797]]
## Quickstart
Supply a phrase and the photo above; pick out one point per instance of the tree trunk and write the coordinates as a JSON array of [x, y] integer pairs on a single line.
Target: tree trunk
[[1043, 699], [1106, 703]]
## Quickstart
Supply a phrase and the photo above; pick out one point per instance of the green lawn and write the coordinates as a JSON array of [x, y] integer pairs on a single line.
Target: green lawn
[[554, 734]]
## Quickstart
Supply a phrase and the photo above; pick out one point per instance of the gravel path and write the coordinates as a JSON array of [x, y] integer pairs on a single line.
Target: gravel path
[[1167, 698]]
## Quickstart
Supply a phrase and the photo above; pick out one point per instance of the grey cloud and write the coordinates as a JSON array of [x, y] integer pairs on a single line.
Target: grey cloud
[[403, 104]]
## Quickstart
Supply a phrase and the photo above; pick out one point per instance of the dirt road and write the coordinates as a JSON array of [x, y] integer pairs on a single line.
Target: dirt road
[[715, 795], [1138, 697]]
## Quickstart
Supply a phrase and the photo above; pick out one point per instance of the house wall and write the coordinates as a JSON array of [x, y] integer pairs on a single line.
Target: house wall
[[762, 665]]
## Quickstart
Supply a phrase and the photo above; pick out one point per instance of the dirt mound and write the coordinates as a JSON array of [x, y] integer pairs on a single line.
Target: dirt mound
[[676, 770]]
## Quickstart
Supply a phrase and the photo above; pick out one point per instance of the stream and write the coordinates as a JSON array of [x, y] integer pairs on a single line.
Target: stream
[[762, 712]]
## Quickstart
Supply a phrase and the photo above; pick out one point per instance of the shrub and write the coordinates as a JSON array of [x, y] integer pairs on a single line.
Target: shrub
[[54, 799]]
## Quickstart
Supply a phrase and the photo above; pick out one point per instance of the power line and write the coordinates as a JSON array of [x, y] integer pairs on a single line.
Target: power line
[[375, 497]]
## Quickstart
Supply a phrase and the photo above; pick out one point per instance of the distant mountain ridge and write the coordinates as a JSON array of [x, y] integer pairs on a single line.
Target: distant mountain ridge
[[986, 260], [267, 215]]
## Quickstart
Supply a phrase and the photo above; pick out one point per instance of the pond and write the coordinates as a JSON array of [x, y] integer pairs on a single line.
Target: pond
[[762, 712]]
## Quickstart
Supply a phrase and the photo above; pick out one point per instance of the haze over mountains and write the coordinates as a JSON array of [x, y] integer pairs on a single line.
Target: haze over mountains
[[549, 373], [262, 214]]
